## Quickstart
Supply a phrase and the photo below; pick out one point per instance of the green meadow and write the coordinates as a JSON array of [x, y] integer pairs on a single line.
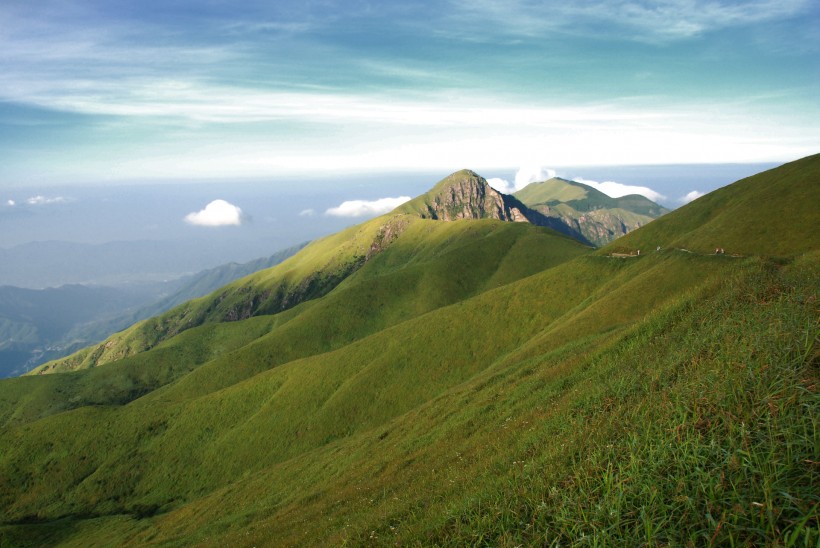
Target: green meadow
[[418, 382]]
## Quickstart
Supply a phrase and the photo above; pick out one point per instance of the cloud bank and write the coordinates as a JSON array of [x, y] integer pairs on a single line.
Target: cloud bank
[[616, 190], [361, 208], [216, 213]]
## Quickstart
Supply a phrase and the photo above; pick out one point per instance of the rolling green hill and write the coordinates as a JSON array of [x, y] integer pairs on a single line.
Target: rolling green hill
[[599, 218], [466, 382]]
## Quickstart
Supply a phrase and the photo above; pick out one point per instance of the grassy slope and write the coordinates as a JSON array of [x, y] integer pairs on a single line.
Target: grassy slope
[[556, 190], [310, 273], [583, 198], [775, 212], [666, 399], [431, 265], [598, 217]]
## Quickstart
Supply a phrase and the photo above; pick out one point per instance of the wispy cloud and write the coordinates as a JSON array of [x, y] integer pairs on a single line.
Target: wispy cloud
[[363, 208], [43, 200], [310, 212], [287, 86], [202, 101], [651, 20], [216, 213]]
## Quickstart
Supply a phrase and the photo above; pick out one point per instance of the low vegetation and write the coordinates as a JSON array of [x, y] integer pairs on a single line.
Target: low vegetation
[[473, 382]]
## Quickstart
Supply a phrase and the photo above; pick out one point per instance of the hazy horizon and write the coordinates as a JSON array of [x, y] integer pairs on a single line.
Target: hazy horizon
[[97, 213]]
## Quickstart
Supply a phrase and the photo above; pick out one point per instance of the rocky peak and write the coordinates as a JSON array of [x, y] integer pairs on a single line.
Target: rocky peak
[[466, 195]]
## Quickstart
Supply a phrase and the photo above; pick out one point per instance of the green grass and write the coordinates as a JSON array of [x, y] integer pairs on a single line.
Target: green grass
[[556, 190], [473, 383], [772, 213], [696, 423], [594, 215]]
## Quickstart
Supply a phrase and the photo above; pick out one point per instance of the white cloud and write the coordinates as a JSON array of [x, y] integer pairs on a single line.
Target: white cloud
[[216, 213], [43, 200], [531, 174], [694, 195], [501, 185], [11, 203], [360, 208], [524, 176], [310, 212], [616, 190]]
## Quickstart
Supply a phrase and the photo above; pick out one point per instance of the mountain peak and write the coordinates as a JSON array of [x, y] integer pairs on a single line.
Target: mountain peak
[[466, 195], [597, 216]]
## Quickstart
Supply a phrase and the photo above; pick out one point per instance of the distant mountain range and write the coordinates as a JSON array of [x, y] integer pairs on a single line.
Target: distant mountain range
[[38, 265], [451, 374], [41, 325]]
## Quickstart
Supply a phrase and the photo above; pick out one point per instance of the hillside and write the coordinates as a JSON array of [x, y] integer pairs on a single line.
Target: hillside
[[771, 213], [465, 382], [599, 218]]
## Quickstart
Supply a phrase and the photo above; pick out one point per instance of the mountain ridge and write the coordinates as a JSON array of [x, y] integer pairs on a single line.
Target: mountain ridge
[[472, 381], [598, 217], [467, 195]]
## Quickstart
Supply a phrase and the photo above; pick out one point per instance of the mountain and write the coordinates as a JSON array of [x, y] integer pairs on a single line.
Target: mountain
[[599, 218], [415, 381], [34, 324], [41, 325], [467, 195]]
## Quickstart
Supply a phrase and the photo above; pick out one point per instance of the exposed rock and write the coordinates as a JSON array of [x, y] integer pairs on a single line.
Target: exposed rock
[[466, 195]]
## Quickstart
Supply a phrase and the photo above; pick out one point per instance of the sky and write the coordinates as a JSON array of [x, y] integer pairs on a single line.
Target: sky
[[107, 91]]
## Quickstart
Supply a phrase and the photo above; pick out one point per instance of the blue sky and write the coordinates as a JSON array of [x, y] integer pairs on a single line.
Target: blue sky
[[149, 90]]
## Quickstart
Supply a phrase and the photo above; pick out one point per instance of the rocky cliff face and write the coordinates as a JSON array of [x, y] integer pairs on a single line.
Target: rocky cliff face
[[466, 195], [598, 227]]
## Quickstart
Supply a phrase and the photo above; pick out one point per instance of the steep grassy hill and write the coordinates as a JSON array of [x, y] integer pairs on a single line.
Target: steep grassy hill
[[472, 382], [599, 218], [772, 213]]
